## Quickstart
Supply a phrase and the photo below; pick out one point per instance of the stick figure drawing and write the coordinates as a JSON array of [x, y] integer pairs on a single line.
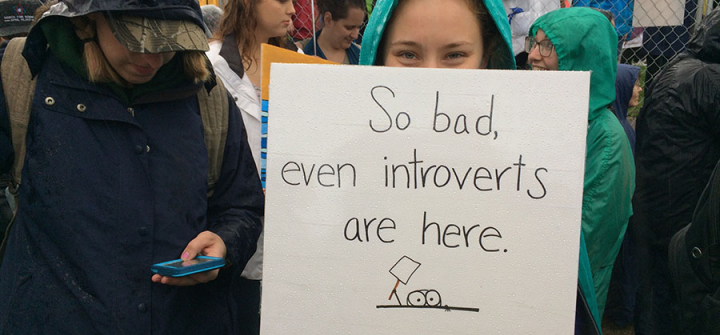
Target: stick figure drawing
[[423, 298]]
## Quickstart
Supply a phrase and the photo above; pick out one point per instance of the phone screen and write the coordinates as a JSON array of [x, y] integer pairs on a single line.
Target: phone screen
[[180, 264]]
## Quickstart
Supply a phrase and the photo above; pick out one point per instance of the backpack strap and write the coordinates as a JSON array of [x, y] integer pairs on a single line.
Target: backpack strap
[[214, 111], [18, 98]]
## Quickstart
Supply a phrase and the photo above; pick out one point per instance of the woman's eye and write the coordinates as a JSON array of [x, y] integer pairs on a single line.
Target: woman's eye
[[455, 55], [407, 55]]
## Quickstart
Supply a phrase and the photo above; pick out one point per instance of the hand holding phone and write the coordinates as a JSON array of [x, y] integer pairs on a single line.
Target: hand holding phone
[[206, 243], [181, 268]]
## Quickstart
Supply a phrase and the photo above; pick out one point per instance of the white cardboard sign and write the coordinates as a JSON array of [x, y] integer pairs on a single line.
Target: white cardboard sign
[[422, 201]]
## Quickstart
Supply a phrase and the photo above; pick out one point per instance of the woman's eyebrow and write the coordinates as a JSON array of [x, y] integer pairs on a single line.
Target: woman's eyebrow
[[406, 43], [457, 44]]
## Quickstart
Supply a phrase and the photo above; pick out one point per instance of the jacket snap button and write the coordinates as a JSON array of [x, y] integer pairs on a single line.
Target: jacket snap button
[[696, 253], [142, 308], [49, 101], [138, 149], [81, 108], [147, 148]]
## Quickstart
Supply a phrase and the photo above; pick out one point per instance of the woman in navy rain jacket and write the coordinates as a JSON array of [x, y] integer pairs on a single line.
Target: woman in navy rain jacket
[[116, 178]]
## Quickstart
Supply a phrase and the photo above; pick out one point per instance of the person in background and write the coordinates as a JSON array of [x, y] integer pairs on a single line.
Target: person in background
[[521, 15], [334, 42], [620, 307], [211, 18], [116, 177], [678, 145], [608, 14], [694, 266], [16, 17], [627, 95], [621, 10], [235, 56], [582, 39]]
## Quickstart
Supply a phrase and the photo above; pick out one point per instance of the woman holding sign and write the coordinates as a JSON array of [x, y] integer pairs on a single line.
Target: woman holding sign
[[235, 55], [582, 39], [470, 34]]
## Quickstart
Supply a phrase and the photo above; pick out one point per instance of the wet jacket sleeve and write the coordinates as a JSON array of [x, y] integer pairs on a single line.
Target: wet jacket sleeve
[[609, 185], [235, 208], [707, 95], [7, 153]]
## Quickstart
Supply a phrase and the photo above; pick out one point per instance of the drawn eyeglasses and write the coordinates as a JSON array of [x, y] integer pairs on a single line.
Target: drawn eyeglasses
[[546, 47]]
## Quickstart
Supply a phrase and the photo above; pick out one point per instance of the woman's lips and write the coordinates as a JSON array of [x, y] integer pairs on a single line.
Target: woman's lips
[[144, 70]]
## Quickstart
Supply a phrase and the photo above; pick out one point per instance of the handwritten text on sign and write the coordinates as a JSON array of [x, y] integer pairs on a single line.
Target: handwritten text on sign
[[394, 195]]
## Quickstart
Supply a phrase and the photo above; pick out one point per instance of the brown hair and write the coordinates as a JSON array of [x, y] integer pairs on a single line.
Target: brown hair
[[100, 71], [491, 36], [339, 8], [239, 19]]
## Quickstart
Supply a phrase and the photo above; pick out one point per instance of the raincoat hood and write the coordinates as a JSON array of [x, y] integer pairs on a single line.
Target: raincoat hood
[[156, 9], [501, 58], [627, 75], [624, 85], [584, 40], [705, 43], [36, 42]]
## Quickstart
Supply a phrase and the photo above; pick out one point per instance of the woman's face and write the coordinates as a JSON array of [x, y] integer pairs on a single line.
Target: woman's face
[[274, 17], [434, 34], [135, 68], [342, 32], [542, 60], [635, 99]]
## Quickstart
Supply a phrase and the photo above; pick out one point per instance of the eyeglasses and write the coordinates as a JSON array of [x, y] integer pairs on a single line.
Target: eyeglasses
[[546, 47]]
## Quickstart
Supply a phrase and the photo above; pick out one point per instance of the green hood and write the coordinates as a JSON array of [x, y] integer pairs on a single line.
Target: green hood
[[502, 57], [584, 40]]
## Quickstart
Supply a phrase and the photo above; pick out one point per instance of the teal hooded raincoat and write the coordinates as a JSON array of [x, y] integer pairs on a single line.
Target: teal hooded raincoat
[[585, 41]]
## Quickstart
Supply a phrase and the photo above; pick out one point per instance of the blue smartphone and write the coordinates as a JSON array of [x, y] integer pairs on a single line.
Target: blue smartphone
[[180, 268]]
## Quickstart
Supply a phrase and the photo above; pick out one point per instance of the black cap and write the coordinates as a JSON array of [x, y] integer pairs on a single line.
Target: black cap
[[16, 16]]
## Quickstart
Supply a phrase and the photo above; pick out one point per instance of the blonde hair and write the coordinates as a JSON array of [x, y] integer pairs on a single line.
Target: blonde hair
[[99, 69]]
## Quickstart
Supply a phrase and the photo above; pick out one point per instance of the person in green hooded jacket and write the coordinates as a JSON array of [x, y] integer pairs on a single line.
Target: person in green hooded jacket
[[430, 40], [581, 39]]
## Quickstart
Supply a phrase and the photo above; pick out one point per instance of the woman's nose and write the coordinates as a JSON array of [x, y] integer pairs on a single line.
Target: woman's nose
[[534, 54], [153, 60], [291, 8]]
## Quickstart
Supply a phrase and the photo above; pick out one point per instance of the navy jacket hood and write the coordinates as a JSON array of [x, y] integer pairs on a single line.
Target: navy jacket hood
[[624, 85]]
